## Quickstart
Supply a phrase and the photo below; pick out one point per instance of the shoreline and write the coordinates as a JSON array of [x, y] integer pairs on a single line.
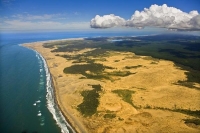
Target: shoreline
[[55, 98], [53, 84], [56, 101], [23, 44]]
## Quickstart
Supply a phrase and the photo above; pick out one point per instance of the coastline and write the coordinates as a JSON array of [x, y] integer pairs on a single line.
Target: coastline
[[73, 126], [67, 89], [67, 122], [66, 118]]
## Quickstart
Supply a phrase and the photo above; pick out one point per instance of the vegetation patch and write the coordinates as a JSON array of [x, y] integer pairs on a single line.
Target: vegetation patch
[[187, 84], [91, 71], [192, 121], [116, 60], [100, 59], [109, 116], [120, 119], [82, 68], [120, 73], [195, 113], [192, 77], [126, 95], [108, 67], [77, 45], [94, 71], [90, 101], [130, 67], [97, 53], [150, 58], [80, 58], [48, 45], [87, 57], [154, 62]]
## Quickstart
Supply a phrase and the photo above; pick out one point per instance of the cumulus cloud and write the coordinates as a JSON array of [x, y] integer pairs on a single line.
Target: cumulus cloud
[[195, 22], [107, 21], [154, 16]]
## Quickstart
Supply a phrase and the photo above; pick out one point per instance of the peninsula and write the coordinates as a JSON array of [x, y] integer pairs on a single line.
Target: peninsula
[[125, 84]]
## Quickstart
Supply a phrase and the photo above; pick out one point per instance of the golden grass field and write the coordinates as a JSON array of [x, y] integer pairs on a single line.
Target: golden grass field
[[154, 102]]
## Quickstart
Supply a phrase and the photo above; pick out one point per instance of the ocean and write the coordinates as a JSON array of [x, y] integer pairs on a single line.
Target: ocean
[[26, 104]]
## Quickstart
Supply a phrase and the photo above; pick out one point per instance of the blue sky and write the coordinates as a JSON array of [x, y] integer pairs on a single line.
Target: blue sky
[[23, 15]]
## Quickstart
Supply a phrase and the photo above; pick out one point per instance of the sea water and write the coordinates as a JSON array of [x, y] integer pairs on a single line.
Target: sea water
[[26, 93]]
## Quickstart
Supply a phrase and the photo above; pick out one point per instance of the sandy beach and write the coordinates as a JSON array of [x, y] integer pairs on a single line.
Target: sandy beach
[[156, 101], [74, 122]]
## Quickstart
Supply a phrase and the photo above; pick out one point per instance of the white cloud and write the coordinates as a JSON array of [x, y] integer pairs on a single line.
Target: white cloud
[[36, 17], [106, 21], [42, 25], [27, 21], [195, 22], [155, 16]]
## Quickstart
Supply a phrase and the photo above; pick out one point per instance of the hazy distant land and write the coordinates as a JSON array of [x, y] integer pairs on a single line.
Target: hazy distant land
[[127, 84]]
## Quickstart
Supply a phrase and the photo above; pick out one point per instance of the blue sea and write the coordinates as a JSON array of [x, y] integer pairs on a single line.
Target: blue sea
[[26, 94]]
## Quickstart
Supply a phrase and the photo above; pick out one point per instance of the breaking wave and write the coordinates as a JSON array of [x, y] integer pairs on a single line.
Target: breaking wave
[[51, 103]]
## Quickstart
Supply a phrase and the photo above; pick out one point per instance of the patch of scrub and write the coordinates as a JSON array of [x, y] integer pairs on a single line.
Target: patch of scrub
[[94, 71], [88, 56], [192, 122], [126, 95], [120, 73], [130, 67], [110, 115], [82, 68], [90, 101], [150, 58], [193, 77], [195, 113]]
